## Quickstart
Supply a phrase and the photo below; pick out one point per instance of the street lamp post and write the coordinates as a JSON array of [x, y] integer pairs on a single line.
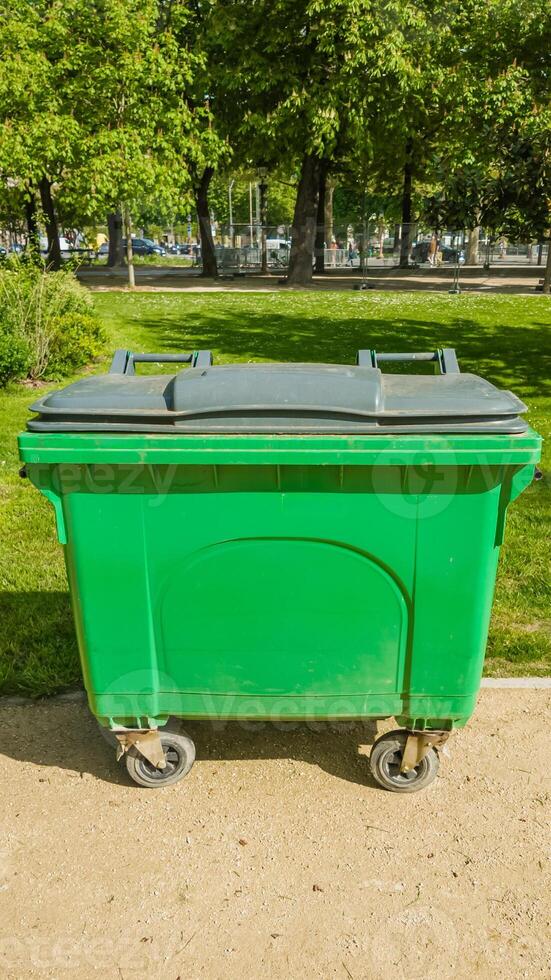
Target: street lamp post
[[460, 260], [230, 208], [263, 188], [364, 254]]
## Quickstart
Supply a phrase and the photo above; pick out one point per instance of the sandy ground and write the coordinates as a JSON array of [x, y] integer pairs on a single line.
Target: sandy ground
[[505, 279], [277, 856]]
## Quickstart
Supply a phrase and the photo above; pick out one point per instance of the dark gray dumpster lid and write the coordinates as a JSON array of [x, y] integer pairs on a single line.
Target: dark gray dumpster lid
[[281, 398]]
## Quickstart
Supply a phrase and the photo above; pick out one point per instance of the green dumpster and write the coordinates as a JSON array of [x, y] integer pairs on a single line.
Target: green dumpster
[[281, 541]]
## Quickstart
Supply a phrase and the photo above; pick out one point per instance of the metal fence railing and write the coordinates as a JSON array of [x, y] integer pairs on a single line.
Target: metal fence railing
[[355, 244], [373, 244]]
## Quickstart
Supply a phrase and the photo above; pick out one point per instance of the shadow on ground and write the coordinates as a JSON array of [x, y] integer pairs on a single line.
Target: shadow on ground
[[38, 648], [66, 736], [516, 357]]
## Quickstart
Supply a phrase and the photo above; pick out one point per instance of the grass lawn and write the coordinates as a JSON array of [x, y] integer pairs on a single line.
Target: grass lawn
[[171, 261], [504, 338]]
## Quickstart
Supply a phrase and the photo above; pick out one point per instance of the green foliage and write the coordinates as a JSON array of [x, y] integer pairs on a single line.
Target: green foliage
[[125, 78], [492, 163], [47, 323], [285, 74], [14, 354], [352, 203], [127, 102], [78, 338], [281, 195], [101, 98]]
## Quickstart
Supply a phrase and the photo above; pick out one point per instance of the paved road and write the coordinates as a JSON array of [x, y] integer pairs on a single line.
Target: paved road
[[277, 856]]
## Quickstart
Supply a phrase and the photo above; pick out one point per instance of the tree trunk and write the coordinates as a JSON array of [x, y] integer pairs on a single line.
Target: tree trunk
[[129, 253], [52, 231], [304, 223], [471, 257], [397, 243], [540, 252], [320, 244], [208, 255], [114, 230], [547, 274], [405, 244], [33, 239], [329, 191]]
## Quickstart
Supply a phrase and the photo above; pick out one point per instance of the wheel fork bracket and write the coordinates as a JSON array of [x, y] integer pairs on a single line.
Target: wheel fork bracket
[[147, 743], [418, 745]]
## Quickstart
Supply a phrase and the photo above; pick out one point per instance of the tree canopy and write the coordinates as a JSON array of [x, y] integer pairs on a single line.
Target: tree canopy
[[414, 109]]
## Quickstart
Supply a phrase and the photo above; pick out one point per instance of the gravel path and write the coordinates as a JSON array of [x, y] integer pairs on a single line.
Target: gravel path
[[277, 857], [504, 279]]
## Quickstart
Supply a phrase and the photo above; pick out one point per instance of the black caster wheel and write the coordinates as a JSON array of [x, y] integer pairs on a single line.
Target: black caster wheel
[[385, 760], [179, 752]]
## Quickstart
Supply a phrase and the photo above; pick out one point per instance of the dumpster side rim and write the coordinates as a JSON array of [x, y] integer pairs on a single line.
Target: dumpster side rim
[[373, 450]]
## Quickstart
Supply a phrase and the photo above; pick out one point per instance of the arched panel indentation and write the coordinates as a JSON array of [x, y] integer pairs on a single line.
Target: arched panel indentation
[[285, 616]]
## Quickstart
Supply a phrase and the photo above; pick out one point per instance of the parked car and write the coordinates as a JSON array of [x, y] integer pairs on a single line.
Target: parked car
[[145, 246], [179, 249], [103, 250]]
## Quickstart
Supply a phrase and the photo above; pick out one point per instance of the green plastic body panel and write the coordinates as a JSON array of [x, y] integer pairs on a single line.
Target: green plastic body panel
[[281, 577]]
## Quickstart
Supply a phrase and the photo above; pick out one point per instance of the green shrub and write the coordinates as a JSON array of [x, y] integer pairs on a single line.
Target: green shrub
[[78, 339], [47, 321], [14, 355]]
